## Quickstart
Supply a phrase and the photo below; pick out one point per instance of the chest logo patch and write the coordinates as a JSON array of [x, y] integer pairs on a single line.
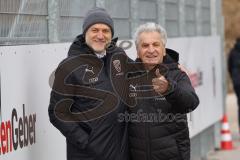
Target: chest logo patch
[[117, 65]]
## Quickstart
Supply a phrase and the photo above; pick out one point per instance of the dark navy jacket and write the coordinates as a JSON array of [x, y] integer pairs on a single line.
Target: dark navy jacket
[[158, 129], [96, 135]]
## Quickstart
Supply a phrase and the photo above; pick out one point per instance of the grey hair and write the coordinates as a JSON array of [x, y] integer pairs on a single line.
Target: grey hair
[[150, 27]]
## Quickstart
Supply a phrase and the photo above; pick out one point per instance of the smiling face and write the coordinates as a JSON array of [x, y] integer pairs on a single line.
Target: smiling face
[[98, 36], [150, 49]]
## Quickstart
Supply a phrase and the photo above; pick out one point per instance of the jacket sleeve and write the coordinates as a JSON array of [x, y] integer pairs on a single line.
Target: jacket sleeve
[[234, 68], [181, 95]]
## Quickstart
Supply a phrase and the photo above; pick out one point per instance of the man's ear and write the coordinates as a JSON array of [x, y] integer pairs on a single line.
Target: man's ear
[[164, 51], [137, 51], [137, 54]]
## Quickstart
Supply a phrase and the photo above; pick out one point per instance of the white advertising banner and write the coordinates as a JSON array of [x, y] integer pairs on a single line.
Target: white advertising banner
[[26, 133], [202, 57], [25, 130]]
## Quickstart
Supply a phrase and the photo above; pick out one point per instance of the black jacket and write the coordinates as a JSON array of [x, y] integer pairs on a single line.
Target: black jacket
[[234, 65], [158, 129], [94, 135]]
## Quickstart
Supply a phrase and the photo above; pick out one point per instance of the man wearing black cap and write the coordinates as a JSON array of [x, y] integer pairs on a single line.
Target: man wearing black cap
[[91, 136]]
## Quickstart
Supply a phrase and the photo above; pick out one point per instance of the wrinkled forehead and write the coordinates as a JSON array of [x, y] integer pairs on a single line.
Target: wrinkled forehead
[[150, 37]]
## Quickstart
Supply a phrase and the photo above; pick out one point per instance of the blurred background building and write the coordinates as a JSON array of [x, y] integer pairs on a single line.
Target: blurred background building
[[231, 12]]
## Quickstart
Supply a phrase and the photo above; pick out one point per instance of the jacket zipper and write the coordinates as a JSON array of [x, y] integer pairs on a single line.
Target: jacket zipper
[[147, 141], [147, 134], [147, 73]]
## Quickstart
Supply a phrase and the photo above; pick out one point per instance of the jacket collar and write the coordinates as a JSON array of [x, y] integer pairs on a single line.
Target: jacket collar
[[79, 47]]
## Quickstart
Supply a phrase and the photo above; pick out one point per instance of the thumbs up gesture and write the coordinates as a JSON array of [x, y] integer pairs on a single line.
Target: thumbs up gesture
[[160, 83]]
